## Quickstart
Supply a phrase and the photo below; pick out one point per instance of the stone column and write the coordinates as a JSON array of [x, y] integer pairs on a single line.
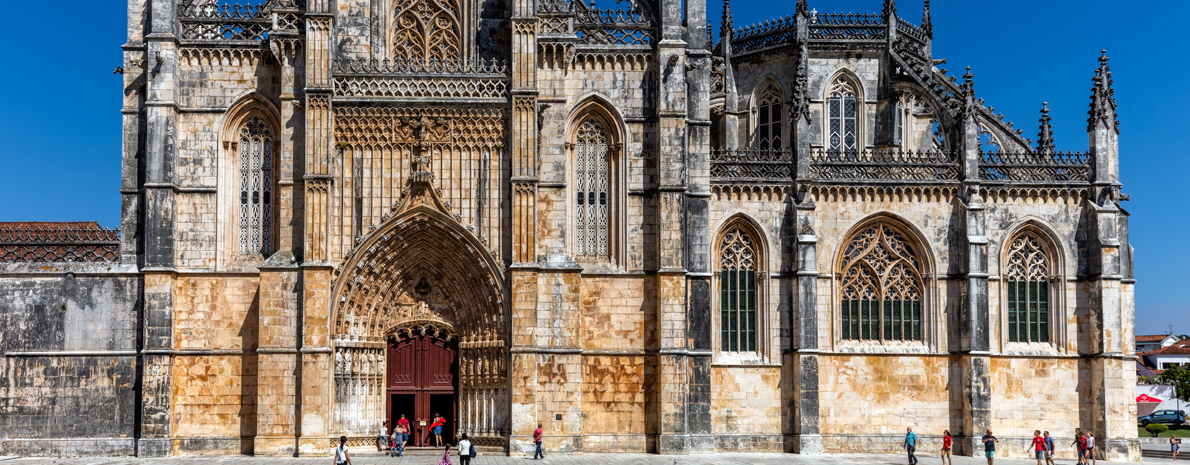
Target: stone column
[[807, 435], [315, 397], [677, 374], [698, 231], [975, 322], [277, 374], [160, 120]]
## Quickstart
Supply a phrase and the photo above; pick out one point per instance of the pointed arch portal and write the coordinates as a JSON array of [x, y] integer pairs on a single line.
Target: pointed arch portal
[[419, 326]]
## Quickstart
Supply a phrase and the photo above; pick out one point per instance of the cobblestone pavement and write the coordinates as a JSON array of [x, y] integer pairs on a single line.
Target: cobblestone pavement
[[586, 459]]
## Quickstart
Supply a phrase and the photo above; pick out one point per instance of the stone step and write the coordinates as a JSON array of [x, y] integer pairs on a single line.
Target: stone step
[[423, 451]]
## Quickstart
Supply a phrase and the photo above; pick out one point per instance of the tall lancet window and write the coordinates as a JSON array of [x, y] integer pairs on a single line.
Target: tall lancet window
[[591, 178], [881, 284], [1028, 290], [256, 187], [737, 285], [768, 118], [842, 125]]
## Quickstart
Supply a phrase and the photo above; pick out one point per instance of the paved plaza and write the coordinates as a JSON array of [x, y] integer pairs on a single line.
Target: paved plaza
[[586, 459]]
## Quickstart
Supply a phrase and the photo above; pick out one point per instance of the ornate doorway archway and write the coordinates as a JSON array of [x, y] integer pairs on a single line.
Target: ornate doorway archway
[[420, 274]]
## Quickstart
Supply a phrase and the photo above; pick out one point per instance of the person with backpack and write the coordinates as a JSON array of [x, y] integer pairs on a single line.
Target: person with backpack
[[1049, 448], [466, 450], [341, 456]]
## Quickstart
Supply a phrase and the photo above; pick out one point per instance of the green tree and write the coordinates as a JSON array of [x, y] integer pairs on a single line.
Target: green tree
[[1179, 378]]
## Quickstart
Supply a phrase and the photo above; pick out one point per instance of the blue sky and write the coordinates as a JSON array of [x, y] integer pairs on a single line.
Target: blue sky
[[60, 106]]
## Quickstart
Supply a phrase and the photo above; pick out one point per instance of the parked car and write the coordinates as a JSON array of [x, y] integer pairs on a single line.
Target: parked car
[[1169, 417]]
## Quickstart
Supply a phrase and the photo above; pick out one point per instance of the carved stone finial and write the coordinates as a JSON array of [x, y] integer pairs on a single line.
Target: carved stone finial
[[1045, 138], [726, 28], [802, 8], [926, 24], [890, 9], [1103, 97], [969, 82]]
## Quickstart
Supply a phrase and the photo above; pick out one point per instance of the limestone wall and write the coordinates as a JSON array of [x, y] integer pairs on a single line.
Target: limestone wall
[[68, 366]]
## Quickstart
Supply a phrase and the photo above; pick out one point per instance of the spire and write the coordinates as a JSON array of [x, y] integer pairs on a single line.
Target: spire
[[1045, 138], [926, 24], [802, 8], [890, 9], [969, 83], [725, 27], [710, 36], [1103, 97]]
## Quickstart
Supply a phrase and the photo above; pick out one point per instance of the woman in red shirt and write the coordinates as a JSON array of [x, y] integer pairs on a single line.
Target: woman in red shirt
[[946, 444]]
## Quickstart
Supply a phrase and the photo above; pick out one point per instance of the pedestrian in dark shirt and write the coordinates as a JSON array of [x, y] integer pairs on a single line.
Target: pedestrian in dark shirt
[[989, 447], [1081, 443]]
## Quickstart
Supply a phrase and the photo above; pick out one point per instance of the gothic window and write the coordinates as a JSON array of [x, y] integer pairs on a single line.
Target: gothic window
[[426, 31], [842, 124], [738, 289], [768, 119], [256, 186], [897, 128], [1028, 290], [882, 287], [591, 153]]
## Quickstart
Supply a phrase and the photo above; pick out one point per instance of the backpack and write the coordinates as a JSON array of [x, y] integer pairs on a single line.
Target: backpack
[[472, 450]]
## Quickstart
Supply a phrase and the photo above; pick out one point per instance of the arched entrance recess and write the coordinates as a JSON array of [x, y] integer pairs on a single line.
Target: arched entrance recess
[[420, 277]]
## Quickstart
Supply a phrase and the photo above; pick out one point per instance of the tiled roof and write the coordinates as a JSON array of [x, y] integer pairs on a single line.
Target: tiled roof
[[56, 242], [1153, 338], [1181, 347]]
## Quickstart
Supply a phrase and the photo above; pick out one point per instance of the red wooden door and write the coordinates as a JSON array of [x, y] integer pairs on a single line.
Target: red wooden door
[[422, 367]]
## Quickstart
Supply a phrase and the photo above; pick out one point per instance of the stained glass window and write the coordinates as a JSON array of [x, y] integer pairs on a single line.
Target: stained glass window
[[1028, 290], [256, 182], [738, 289], [882, 287], [768, 119], [591, 152], [843, 123]]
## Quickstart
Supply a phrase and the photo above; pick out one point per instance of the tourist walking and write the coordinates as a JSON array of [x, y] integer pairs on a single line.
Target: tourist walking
[[911, 445], [399, 433], [382, 441], [466, 450], [436, 427], [445, 456], [341, 456], [1038, 447], [1049, 448], [404, 425], [1174, 445], [947, 443], [989, 447], [537, 454], [1090, 447], [1081, 443]]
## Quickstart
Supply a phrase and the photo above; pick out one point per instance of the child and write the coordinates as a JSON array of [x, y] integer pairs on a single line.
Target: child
[[382, 441]]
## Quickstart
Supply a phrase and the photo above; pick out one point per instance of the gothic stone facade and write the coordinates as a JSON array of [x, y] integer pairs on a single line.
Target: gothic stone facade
[[801, 236]]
